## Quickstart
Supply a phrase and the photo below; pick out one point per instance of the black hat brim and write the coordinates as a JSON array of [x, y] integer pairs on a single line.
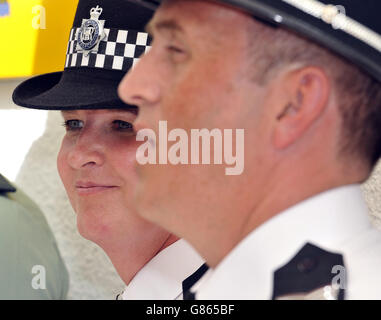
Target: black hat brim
[[73, 89], [340, 42]]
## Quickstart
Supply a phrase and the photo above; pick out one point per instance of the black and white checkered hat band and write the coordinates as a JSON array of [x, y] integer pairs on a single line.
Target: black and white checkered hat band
[[119, 50]]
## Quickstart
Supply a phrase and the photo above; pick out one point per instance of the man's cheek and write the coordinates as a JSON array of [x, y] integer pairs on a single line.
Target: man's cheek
[[185, 110], [188, 91]]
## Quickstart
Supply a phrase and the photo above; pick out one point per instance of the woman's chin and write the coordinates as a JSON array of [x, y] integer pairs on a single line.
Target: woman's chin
[[92, 228]]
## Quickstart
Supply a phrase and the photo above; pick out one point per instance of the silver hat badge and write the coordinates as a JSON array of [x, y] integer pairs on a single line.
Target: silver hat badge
[[91, 32]]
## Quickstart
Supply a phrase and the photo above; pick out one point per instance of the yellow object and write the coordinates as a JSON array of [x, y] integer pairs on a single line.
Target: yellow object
[[34, 36]]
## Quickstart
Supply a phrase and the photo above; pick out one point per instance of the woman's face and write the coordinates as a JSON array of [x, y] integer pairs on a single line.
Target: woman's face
[[96, 165]]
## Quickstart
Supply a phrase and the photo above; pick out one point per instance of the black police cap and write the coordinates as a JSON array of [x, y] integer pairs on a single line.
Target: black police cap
[[90, 78], [350, 28]]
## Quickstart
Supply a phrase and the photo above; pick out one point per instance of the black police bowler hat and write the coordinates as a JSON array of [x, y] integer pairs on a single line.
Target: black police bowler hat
[[350, 28], [106, 40]]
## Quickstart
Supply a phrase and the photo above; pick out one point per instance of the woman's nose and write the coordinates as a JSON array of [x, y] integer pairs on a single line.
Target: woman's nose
[[87, 151]]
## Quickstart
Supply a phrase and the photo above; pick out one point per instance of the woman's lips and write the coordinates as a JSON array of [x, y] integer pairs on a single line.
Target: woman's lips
[[89, 188]]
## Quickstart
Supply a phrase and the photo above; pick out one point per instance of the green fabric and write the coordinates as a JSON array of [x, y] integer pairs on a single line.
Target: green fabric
[[27, 241]]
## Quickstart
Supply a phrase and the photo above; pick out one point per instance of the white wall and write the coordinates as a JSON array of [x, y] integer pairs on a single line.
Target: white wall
[[29, 143], [14, 122]]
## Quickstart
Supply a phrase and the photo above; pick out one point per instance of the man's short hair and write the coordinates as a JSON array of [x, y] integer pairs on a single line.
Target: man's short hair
[[359, 95]]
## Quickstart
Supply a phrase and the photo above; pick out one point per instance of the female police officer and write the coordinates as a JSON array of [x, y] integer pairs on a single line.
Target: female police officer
[[95, 160]]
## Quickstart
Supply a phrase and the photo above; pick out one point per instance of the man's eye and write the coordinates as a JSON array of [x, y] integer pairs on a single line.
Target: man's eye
[[72, 125], [122, 125], [176, 54], [174, 49]]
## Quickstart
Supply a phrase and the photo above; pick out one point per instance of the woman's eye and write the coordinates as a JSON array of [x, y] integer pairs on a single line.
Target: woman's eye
[[122, 125], [72, 125]]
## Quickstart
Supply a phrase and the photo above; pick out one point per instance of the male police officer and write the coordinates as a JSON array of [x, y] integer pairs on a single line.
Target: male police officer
[[106, 41], [302, 78], [31, 265]]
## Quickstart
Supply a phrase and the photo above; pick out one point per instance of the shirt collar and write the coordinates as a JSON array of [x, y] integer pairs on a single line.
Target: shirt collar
[[326, 220], [161, 278]]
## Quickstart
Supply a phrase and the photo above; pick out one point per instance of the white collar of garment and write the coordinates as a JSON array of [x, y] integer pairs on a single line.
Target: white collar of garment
[[327, 220], [161, 278]]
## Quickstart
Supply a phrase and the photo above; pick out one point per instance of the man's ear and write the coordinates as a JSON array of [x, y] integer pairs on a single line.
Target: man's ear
[[308, 92]]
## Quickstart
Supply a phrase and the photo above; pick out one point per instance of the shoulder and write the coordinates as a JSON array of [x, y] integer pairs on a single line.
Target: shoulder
[[20, 220], [363, 260], [28, 245]]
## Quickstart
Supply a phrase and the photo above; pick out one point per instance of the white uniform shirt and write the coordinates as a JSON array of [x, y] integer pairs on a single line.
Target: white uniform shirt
[[336, 221], [161, 278]]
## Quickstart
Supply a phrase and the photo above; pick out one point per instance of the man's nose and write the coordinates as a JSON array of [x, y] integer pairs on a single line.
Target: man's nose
[[140, 86], [87, 152]]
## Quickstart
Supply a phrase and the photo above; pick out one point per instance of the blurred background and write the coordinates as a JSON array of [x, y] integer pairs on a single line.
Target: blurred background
[[34, 35], [33, 41]]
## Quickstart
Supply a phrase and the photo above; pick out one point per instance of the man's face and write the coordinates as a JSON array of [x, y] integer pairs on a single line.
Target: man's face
[[198, 75], [95, 163]]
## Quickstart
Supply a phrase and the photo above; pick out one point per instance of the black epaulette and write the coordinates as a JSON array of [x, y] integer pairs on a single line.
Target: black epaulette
[[311, 275], [5, 185]]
